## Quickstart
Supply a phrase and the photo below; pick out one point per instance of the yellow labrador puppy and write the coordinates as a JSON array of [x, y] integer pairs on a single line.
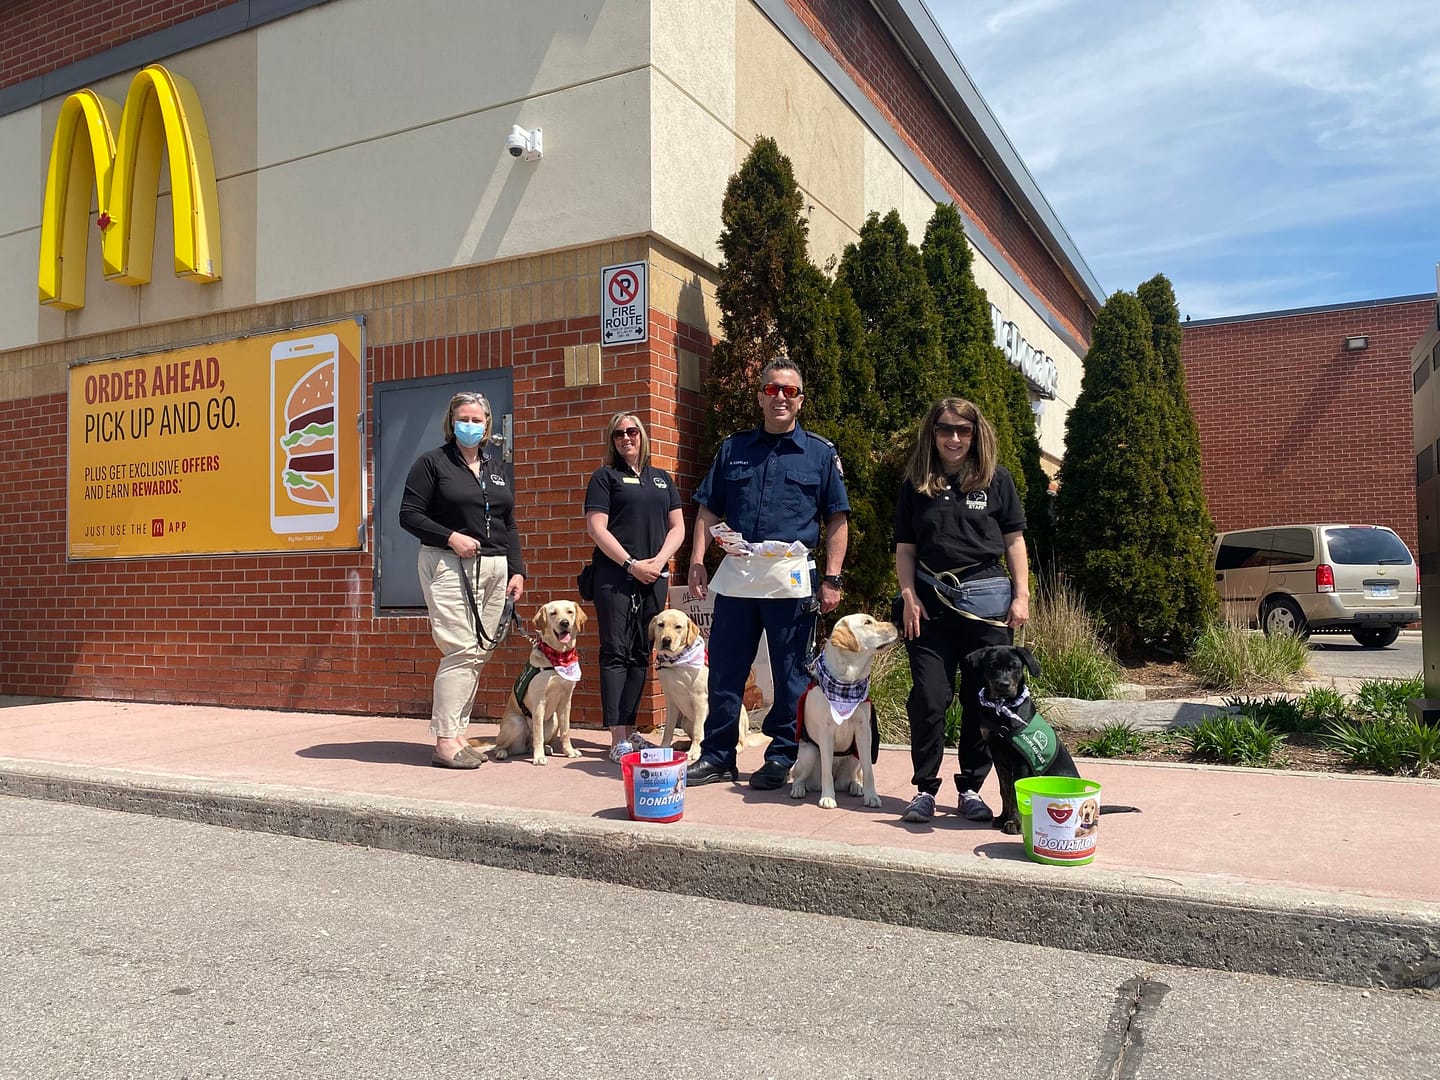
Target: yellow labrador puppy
[[685, 677], [537, 712], [836, 730]]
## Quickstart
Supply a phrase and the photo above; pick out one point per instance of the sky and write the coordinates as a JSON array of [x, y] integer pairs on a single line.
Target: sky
[[1262, 155]]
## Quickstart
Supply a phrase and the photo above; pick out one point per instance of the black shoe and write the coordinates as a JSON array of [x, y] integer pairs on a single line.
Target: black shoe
[[706, 771], [771, 775]]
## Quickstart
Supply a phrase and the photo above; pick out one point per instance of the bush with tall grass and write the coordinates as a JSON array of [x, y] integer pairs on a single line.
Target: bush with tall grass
[[1228, 657], [1074, 661]]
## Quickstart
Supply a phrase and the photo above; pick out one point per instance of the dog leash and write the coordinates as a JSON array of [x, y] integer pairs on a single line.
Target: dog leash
[[507, 615]]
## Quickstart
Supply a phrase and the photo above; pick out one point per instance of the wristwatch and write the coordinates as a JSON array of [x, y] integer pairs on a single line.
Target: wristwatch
[[832, 579], [628, 563]]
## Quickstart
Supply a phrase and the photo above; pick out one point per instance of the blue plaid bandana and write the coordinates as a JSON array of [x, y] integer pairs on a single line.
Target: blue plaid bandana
[[844, 697]]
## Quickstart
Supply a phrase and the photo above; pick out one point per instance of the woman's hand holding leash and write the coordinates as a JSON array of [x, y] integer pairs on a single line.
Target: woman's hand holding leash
[[1019, 612], [516, 587]]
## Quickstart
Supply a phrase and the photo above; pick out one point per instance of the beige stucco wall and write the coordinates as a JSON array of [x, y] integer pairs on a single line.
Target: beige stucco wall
[[362, 141]]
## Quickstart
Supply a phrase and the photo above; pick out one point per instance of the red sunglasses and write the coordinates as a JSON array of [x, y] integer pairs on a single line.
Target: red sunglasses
[[777, 389]]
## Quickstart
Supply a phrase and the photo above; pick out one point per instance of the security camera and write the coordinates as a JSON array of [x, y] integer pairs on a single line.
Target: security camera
[[523, 144]]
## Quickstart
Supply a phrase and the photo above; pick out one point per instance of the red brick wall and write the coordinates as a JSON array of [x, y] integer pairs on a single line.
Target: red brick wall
[[297, 632], [39, 36], [1295, 429], [855, 36]]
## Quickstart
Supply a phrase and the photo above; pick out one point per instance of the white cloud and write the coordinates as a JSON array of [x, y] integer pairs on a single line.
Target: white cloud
[[1193, 135]]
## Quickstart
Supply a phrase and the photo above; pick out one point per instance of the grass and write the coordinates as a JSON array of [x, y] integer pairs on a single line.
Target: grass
[[1229, 657], [1074, 661], [1114, 740], [1235, 740]]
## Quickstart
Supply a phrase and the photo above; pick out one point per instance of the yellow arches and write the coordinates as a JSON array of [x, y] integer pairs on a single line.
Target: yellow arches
[[161, 113]]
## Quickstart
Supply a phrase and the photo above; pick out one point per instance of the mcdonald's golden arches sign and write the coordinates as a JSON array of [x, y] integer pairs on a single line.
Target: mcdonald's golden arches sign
[[161, 113]]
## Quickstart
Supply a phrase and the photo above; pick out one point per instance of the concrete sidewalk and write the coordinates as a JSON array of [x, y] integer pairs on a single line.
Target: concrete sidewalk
[[1310, 875]]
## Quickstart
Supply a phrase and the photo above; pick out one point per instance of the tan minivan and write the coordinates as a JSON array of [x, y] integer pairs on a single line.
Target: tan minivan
[[1299, 579]]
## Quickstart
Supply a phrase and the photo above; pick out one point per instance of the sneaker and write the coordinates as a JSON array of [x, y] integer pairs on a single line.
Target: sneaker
[[973, 808], [639, 742], [619, 750], [921, 808]]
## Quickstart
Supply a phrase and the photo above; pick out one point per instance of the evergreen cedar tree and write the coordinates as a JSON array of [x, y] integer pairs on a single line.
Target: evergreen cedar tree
[[898, 328], [980, 372], [1131, 526]]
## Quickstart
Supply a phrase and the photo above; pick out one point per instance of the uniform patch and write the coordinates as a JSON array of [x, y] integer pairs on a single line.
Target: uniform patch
[[659, 483], [498, 481], [976, 500]]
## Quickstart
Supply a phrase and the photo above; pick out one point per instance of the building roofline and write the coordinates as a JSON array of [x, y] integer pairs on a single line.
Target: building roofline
[[1354, 305], [935, 59]]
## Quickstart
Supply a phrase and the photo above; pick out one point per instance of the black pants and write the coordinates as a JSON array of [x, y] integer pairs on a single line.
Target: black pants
[[934, 656], [624, 608]]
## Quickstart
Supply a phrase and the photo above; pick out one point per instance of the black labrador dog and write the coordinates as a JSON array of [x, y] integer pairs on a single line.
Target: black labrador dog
[[1021, 742]]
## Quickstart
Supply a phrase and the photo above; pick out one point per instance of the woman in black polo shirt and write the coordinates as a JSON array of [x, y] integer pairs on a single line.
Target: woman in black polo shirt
[[957, 519], [460, 501], [632, 512]]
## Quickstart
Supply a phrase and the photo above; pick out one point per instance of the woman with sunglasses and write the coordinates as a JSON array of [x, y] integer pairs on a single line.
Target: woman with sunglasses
[[632, 512], [958, 516]]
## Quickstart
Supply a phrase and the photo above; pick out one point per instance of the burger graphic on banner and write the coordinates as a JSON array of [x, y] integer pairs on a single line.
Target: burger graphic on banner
[[304, 467]]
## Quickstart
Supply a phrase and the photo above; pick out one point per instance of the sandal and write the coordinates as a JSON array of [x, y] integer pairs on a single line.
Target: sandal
[[467, 757]]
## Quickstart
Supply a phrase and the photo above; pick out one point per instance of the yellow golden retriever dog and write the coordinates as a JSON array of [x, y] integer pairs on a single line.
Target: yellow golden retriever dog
[[837, 739], [1089, 817], [543, 716], [685, 678]]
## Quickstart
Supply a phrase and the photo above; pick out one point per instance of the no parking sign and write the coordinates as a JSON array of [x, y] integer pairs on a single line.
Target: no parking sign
[[624, 304]]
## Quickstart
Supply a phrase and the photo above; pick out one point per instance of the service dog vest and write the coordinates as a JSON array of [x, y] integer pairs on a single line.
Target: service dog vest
[[1032, 738]]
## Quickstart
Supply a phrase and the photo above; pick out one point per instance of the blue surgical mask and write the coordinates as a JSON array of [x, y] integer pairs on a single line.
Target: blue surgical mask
[[469, 433]]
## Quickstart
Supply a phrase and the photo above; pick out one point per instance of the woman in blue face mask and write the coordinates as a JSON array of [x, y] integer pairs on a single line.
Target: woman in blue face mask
[[460, 501]]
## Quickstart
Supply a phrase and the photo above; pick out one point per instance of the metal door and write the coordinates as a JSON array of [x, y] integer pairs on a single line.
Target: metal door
[[407, 421]]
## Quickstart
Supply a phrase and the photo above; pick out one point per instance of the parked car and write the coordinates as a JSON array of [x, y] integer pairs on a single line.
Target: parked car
[[1303, 579]]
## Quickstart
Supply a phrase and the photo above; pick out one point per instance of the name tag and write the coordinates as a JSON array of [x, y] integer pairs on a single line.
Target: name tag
[[630, 479]]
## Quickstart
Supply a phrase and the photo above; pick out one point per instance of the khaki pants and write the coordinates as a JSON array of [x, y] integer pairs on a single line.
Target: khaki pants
[[453, 627]]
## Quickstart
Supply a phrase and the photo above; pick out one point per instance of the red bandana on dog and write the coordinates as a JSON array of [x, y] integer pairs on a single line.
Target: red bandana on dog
[[566, 664]]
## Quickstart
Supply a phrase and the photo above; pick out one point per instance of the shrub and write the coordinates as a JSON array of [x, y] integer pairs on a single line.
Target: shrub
[[1074, 662], [1387, 699], [1388, 744], [1117, 739], [1228, 657], [1286, 714], [1235, 740]]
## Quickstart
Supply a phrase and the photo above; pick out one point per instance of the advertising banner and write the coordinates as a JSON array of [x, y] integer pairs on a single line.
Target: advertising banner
[[252, 445]]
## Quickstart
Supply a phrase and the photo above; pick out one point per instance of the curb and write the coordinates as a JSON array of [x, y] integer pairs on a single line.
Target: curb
[[1359, 941]]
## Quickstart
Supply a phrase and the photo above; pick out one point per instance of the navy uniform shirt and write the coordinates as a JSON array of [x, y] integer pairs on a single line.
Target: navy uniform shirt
[[775, 487]]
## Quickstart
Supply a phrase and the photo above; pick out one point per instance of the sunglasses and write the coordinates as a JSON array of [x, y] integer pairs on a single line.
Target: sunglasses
[[782, 389], [963, 430], [626, 433]]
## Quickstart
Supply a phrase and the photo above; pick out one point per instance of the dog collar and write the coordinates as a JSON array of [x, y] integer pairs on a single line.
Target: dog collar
[[844, 697], [695, 656]]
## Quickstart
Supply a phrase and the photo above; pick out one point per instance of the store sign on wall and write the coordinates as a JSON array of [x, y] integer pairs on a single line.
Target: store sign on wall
[[161, 115], [1039, 370], [239, 446], [624, 304]]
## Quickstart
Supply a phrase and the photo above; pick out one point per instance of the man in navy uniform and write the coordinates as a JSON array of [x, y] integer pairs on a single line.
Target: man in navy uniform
[[777, 482]]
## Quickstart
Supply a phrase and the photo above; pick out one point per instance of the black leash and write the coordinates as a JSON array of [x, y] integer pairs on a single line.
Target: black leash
[[507, 614]]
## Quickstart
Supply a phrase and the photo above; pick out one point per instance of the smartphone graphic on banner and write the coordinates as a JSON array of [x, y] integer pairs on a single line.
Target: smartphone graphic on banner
[[304, 465]]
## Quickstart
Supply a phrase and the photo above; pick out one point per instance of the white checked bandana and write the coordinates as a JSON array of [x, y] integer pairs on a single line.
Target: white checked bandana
[[1007, 708], [694, 656], [844, 697]]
